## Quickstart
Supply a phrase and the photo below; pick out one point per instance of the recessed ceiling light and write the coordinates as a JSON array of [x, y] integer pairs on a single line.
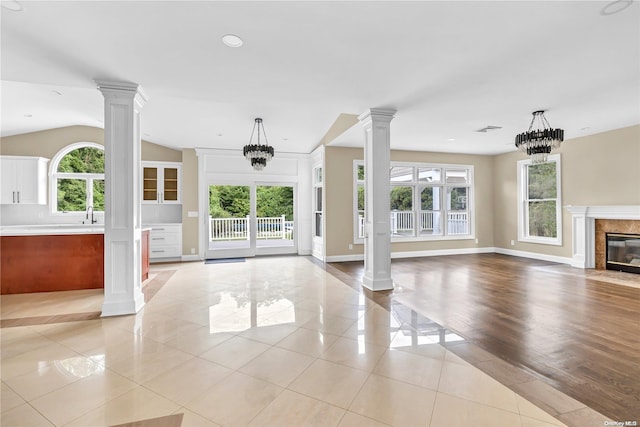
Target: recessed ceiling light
[[219, 134], [12, 5], [232, 40], [28, 115], [451, 139]]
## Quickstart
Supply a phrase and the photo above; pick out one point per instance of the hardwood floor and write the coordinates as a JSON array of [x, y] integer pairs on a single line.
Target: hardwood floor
[[577, 334]]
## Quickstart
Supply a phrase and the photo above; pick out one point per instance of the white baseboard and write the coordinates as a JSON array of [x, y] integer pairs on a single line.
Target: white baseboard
[[344, 258], [440, 252], [188, 258], [534, 255], [304, 252]]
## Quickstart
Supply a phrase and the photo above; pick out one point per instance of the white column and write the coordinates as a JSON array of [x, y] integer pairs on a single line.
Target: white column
[[377, 240], [122, 232]]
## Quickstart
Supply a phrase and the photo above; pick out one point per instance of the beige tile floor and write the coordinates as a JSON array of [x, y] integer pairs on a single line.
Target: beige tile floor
[[273, 341]]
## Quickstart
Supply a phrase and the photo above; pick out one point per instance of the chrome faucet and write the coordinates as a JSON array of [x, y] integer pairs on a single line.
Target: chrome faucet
[[93, 221]]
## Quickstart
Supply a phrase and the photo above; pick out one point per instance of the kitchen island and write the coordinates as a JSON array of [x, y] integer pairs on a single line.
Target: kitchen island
[[43, 258]]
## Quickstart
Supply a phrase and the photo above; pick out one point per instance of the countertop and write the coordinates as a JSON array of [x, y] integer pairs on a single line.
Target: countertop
[[55, 229]]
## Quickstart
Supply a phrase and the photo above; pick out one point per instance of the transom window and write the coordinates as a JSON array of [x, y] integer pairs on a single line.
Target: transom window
[[77, 178], [427, 201]]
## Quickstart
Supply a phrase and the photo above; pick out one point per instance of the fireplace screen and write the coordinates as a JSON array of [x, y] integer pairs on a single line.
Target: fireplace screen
[[623, 252]]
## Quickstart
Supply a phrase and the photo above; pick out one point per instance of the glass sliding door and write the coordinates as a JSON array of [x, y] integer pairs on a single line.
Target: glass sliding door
[[245, 220], [229, 224], [275, 232]]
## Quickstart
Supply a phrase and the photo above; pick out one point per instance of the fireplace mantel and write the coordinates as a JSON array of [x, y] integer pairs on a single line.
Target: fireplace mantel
[[583, 229]]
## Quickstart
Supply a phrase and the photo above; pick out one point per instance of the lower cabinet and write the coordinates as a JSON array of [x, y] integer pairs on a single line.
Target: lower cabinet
[[165, 242]]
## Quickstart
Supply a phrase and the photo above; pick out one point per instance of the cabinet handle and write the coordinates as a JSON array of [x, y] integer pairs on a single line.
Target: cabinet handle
[[158, 238], [157, 251], [158, 229], [18, 196], [13, 195]]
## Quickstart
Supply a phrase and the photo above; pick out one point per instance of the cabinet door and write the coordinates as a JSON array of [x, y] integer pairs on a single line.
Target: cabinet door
[[7, 182], [31, 181], [24, 180], [170, 188], [150, 190]]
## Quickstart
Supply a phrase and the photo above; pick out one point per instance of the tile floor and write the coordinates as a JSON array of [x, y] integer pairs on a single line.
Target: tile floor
[[274, 341]]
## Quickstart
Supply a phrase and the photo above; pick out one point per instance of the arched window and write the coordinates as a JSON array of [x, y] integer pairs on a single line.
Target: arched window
[[77, 178]]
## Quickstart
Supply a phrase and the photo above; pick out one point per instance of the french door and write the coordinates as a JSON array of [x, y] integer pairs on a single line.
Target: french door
[[248, 219]]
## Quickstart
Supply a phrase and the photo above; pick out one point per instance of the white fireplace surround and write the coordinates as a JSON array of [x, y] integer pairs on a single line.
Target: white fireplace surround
[[583, 225]]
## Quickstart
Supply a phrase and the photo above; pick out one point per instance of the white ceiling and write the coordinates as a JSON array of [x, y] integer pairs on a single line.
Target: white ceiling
[[449, 68]]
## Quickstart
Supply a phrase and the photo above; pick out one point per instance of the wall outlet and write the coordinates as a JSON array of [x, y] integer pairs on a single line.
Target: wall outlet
[[193, 250], [513, 243], [350, 246], [192, 214], [476, 241]]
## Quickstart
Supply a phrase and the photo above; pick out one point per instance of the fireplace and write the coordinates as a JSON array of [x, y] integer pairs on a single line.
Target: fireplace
[[589, 224], [623, 252]]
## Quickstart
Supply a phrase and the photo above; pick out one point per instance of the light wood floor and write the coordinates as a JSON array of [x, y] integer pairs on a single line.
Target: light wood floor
[[577, 332]]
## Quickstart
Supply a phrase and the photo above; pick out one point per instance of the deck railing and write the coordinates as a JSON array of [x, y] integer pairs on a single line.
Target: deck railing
[[402, 223], [276, 227]]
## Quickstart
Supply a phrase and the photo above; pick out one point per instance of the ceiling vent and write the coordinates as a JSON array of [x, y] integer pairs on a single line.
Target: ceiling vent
[[489, 129]]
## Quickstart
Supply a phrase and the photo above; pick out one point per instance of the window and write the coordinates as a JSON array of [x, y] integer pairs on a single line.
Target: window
[[539, 202], [77, 178], [427, 201], [359, 201], [317, 201]]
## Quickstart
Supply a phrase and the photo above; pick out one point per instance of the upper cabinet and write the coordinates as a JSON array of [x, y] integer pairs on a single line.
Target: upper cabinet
[[23, 180], [161, 182]]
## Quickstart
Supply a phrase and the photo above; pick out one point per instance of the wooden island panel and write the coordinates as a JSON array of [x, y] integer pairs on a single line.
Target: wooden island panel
[[145, 255], [45, 263]]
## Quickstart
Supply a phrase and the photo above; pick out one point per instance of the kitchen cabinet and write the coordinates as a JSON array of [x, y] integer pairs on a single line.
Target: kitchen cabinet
[[23, 180], [165, 242], [161, 182]]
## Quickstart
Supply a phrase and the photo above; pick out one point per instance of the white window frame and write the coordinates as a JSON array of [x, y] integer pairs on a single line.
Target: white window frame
[[417, 185], [318, 205], [523, 212], [356, 217], [54, 175]]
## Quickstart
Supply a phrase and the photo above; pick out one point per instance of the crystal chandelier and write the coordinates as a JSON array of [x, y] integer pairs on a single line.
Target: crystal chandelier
[[538, 143], [258, 154]]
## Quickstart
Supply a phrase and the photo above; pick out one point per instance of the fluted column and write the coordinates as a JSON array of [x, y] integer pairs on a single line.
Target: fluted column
[[122, 215], [377, 240]]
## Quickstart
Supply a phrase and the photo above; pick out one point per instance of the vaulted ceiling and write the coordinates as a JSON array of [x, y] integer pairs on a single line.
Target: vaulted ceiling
[[449, 68]]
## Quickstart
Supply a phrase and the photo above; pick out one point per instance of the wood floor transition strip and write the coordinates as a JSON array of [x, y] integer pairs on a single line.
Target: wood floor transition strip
[[174, 420]]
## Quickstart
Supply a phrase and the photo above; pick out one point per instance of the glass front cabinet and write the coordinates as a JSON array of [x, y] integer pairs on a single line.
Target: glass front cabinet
[[161, 182]]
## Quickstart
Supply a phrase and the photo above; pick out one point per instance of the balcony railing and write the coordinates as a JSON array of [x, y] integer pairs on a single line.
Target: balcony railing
[[402, 223], [239, 228]]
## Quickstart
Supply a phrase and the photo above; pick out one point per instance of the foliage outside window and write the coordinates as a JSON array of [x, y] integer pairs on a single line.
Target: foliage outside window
[[79, 178], [539, 213], [427, 201], [232, 201]]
